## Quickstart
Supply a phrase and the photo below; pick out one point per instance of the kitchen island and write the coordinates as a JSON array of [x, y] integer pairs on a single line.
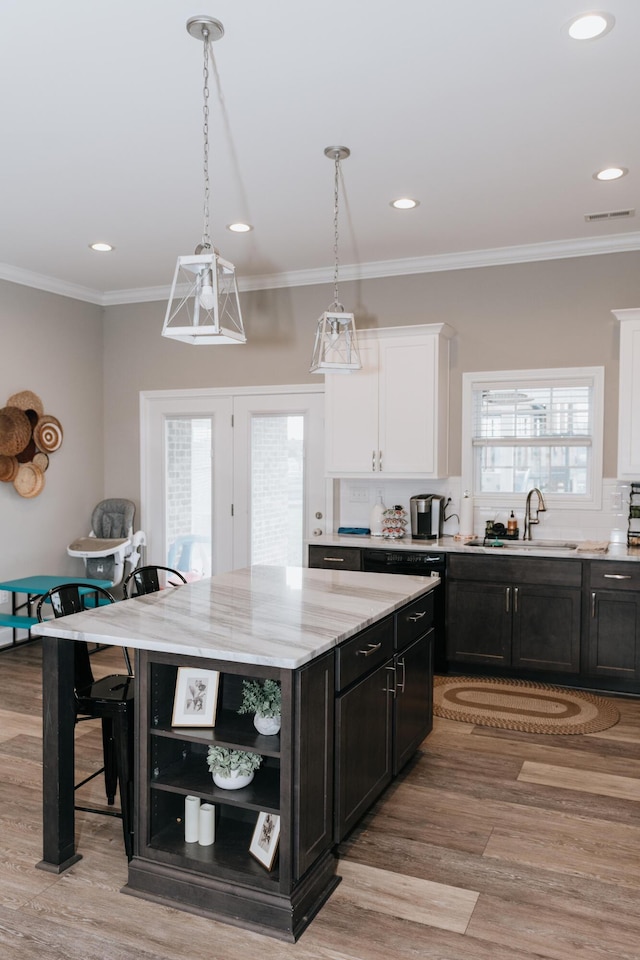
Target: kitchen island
[[334, 641]]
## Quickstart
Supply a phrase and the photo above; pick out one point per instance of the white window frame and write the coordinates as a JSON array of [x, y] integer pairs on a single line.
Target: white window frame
[[472, 382]]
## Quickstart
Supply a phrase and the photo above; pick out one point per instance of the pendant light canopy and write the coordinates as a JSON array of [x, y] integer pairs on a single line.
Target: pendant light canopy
[[336, 346], [204, 307]]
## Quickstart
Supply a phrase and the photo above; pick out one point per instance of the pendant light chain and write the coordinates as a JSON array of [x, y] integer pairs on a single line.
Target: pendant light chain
[[206, 238], [336, 302]]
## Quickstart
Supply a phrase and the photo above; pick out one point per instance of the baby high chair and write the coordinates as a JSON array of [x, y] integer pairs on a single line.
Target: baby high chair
[[112, 548]]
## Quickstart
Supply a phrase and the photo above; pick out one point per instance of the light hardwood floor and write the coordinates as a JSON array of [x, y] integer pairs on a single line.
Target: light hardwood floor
[[491, 846]]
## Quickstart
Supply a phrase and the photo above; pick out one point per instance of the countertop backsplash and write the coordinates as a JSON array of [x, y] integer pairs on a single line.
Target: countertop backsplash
[[355, 498]]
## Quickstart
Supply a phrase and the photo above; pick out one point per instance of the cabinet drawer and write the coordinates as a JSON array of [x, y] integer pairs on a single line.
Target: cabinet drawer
[[364, 653], [338, 558], [610, 575], [516, 570], [414, 620]]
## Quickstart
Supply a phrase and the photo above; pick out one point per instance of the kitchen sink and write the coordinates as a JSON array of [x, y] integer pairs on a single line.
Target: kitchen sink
[[497, 544]]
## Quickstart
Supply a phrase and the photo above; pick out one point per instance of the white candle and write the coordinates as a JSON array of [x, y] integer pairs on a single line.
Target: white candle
[[207, 831], [191, 819]]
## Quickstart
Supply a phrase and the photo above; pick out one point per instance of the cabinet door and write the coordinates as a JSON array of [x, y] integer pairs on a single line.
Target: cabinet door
[[363, 746], [351, 417], [413, 706], [614, 633], [546, 628], [629, 395], [479, 623], [408, 409]]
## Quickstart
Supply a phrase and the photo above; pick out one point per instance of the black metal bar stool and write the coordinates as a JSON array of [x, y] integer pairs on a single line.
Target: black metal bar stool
[[110, 699]]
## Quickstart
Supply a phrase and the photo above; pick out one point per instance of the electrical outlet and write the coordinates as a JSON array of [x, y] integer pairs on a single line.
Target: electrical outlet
[[5, 597], [359, 494]]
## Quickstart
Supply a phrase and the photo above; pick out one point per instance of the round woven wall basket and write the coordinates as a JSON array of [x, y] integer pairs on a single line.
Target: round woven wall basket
[[8, 468], [29, 481], [27, 400], [48, 433], [15, 431]]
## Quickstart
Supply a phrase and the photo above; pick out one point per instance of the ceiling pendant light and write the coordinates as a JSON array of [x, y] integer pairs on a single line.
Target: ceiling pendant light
[[204, 307], [336, 346]]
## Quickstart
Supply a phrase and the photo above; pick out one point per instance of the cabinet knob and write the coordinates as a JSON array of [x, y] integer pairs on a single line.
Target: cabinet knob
[[318, 515], [317, 532]]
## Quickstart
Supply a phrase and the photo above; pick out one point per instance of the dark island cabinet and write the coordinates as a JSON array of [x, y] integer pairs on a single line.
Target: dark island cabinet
[[384, 706], [294, 783], [613, 639], [517, 613]]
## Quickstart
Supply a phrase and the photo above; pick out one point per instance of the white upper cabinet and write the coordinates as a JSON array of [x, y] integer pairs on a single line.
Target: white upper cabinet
[[629, 398], [391, 417]]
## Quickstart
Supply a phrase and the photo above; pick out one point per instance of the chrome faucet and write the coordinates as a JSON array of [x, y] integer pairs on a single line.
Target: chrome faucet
[[528, 519]]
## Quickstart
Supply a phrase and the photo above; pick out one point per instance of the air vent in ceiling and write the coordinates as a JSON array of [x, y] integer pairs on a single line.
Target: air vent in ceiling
[[610, 215]]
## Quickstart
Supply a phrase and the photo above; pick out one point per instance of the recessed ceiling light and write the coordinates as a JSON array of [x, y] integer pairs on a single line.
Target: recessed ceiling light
[[405, 203], [239, 227], [588, 26], [102, 247], [610, 173]]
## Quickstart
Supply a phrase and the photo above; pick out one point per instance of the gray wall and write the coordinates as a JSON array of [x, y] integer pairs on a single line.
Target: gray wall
[[548, 314], [53, 346], [89, 365]]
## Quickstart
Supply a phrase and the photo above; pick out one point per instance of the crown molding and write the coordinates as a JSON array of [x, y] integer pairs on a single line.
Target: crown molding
[[465, 260]]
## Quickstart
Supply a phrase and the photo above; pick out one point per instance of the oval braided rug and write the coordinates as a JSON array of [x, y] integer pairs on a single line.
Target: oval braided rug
[[521, 705]]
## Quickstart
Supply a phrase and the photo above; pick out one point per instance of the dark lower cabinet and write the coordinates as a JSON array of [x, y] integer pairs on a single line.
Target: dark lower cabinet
[[613, 645], [513, 612], [413, 698], [363, 746], [384, 707]]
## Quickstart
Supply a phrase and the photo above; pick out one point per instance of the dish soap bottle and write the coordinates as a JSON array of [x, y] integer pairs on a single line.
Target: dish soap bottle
[[512, 527], [376, 517]]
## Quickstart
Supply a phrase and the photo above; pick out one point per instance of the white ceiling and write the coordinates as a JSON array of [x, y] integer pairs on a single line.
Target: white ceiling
[[484, 111]]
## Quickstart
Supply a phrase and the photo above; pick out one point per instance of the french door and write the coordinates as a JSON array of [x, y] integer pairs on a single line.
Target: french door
[[230, 479]]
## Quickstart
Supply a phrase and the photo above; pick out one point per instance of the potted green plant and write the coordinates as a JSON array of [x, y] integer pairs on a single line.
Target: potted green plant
[[263, 698], [232, 769]]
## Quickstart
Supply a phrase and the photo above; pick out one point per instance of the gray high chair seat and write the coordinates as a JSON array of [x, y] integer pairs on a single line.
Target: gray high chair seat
[[112, 548]]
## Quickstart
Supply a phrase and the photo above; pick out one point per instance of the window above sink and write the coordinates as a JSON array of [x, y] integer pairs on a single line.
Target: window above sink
[[533, 428]]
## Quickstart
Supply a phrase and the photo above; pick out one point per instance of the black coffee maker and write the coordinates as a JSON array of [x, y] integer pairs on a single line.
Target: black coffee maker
[[427, 516]]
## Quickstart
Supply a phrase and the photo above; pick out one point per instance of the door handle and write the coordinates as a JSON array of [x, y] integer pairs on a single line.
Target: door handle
[[515, 599], [373, 460], [379, 459], [392, 691], [593, 605], [507, 599], [402, 664]]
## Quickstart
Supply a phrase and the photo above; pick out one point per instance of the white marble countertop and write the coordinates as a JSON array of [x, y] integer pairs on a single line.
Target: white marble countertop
[[615, 551], [275, 616]]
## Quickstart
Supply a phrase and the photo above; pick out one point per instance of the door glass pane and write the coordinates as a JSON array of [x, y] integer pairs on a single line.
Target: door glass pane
[[188, 484], [277, 484]]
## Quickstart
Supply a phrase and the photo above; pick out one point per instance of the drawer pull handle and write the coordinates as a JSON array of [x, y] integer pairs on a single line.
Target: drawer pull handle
[[371, 648], [333, 559], [417, 616], [617, 576]]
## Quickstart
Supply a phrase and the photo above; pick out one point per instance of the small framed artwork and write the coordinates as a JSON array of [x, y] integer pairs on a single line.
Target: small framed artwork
[[196, 698], [264, 843]]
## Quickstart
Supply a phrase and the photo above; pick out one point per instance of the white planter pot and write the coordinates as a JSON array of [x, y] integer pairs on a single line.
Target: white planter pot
[[234, 781], [266, 725]]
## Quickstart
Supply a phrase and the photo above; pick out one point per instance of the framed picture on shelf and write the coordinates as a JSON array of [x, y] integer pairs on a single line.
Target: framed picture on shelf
[[196, 698], [264, 843]]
